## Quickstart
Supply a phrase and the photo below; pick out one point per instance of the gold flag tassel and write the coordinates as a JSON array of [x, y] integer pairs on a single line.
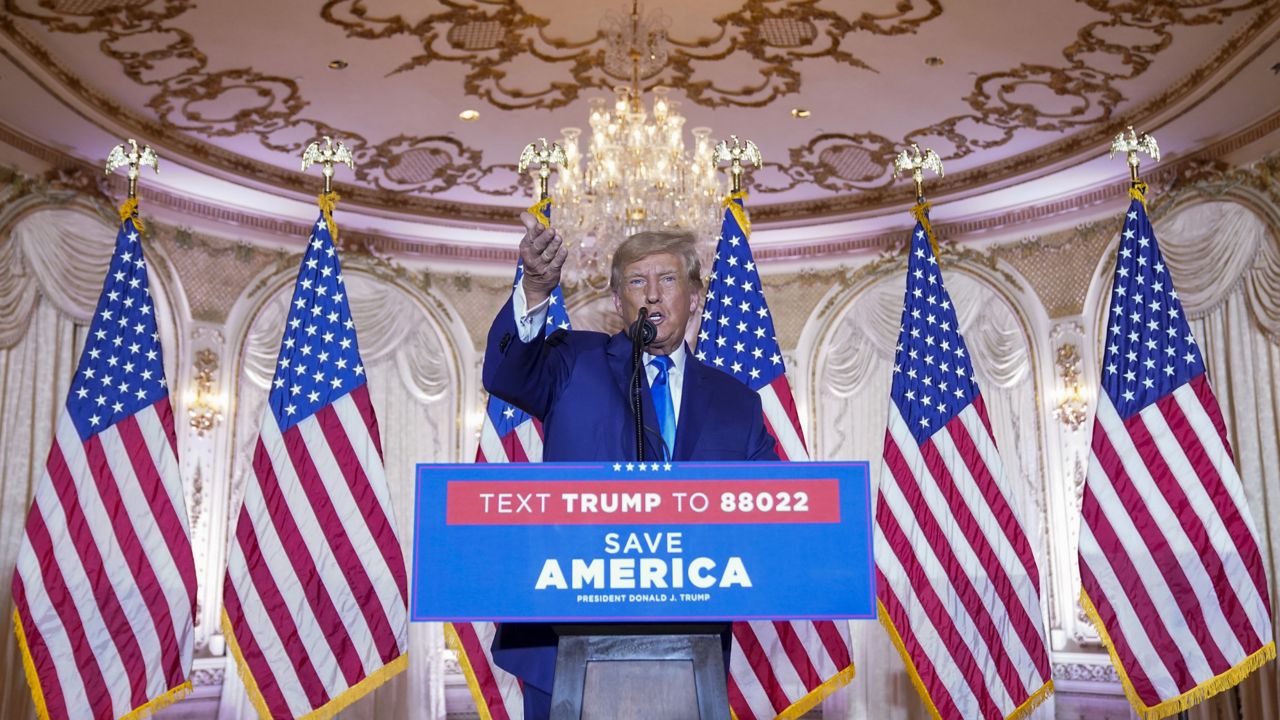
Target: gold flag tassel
[[920, 211], [542, 211], [738, 209], [327, 202], [129, 209]]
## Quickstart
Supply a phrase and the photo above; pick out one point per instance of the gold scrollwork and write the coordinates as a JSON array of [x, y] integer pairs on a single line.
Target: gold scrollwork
[[204, 407], [837, 162], [1072, 408], [491, 38]]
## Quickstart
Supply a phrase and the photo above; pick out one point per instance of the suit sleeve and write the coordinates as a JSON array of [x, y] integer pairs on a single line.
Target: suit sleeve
[[529, 374], [760, 444]]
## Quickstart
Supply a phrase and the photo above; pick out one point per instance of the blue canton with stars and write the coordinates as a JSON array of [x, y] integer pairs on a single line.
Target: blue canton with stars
[[319, 358], [505, 416], [1150, 350], [932, 374], [121, 369], [736, 335]]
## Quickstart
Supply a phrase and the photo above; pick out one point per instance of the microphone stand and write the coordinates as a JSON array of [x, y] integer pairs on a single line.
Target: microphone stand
[[642, 333]]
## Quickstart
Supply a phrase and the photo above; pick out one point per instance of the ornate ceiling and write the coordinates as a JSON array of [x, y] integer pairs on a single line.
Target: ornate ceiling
[[236, 89]]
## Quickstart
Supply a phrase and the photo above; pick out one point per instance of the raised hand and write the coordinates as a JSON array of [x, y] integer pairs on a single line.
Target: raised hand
[[543, 252]]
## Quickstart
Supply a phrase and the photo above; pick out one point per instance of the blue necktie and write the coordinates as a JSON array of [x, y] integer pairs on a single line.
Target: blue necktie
[[661, 390]]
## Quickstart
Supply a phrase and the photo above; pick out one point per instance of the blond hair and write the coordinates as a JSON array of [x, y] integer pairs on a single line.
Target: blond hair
[[654, 242]]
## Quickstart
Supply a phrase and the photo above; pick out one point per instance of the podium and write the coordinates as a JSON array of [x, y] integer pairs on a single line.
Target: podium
[[610, 671], [613, 579]]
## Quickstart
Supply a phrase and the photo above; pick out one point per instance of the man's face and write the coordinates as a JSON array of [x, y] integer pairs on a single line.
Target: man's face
[[659, 283]]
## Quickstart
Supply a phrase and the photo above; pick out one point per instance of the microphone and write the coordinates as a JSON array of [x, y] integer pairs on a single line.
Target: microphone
[[642, 331]]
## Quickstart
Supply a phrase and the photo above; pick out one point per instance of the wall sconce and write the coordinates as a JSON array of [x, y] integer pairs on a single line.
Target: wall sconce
[[1072, 408], [475, 418], [204, 406]]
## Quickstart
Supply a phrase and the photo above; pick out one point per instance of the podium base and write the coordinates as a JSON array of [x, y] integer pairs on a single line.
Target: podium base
[[640, 671]]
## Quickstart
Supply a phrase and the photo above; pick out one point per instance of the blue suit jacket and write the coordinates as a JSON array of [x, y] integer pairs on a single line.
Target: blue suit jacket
[[575, 382]]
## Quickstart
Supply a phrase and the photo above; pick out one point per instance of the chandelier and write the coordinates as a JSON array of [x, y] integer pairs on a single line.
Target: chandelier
[[638, 174]]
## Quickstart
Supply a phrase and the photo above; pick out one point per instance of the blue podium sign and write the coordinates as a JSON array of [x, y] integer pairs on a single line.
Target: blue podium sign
[[554, 542]]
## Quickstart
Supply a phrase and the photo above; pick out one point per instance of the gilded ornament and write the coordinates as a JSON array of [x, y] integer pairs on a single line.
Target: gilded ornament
[[737, 154], [1131, 145], [134, 158], [331, 154], [544, 157], [917, 162]]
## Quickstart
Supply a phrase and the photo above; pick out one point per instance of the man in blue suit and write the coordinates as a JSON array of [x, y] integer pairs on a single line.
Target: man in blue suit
[[577, 383]]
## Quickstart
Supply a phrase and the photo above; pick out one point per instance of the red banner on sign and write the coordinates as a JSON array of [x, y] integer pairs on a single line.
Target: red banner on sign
[[643, 502]]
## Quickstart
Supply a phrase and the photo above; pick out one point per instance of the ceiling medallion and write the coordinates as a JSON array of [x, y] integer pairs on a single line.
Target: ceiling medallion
[[638, 175]]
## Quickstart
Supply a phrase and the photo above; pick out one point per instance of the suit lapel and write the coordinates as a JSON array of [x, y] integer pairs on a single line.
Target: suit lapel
[[618, 351], [693, 406]]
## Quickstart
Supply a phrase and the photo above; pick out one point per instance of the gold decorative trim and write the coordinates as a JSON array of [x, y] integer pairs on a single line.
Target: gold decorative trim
[[1173, 174], [1167, 174], [490, 39]]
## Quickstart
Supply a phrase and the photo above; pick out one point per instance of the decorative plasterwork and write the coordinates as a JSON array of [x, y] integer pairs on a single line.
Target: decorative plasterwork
[[1168, 181], [491, 39], [1080, 95], [1101, 673]]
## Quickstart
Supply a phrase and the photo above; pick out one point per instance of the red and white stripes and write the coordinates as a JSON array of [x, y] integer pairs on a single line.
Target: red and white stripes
[[316, 594], [105, 584], [496, 692], [782, 420], [1169, 554], [782, 667], [958, 584]]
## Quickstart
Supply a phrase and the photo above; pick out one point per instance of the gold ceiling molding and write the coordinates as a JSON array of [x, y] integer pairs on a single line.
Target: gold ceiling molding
[[396, 173], [837, 162], [492, 38], [1170, 181]]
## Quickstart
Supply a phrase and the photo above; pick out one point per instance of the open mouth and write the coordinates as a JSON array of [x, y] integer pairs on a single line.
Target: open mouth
[[656, 318]]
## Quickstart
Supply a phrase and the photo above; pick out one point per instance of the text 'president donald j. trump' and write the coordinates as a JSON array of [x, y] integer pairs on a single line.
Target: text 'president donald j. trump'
[[576, 382]]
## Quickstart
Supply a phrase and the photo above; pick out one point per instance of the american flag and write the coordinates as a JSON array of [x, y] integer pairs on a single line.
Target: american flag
[[958, 586], [508, 434], [777, 667], [1169, 555], [314, 598], [105, 584]]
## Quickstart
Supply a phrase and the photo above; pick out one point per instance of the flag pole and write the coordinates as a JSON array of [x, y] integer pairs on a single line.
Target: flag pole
[[544, 155], [917, 161], [1132, 144], [332, 153], [737, 153], [128, 154]]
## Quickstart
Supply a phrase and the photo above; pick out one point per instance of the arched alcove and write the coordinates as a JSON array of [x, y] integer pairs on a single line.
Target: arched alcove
[[846, 352], [414, 350], [53, 260], [1221, 249]]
